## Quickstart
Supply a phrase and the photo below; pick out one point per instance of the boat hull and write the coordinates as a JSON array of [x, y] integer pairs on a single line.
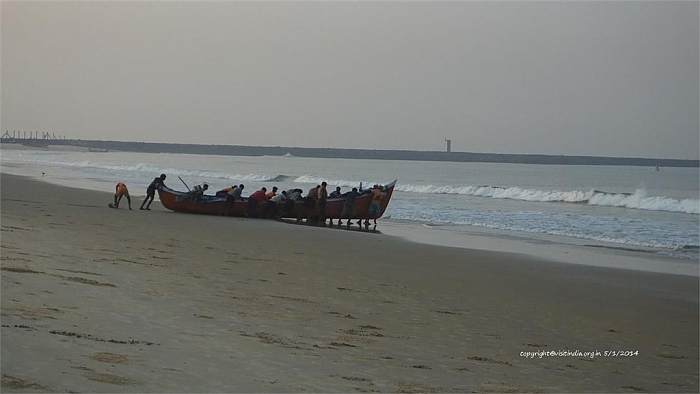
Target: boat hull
[[212, 205]]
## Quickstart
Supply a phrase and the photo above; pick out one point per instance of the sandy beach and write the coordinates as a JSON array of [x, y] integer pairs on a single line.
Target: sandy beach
[[104, 300]]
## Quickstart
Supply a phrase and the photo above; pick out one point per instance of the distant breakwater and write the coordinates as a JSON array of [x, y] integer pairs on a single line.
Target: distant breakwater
[[336, 153]]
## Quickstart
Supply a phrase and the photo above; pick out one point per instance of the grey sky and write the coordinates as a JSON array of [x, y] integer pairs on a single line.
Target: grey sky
[[572, 78]]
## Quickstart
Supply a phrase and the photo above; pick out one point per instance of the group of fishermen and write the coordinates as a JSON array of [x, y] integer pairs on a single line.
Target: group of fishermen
[[274, 204]]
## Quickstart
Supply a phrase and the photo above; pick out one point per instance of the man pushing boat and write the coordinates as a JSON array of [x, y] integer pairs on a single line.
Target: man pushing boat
[[151, 191]]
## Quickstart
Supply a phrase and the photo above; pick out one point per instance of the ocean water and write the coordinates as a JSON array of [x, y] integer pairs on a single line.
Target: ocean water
[[623, 207]]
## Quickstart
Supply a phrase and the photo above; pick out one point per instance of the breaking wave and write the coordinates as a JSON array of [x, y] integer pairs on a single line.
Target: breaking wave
[[147, 168], [279, 178], [311, 179], [638, 200]]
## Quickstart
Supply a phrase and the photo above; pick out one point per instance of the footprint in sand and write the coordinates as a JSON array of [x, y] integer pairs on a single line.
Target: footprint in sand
[[489, 360], [18, 383], [107, 377], [112, 358]]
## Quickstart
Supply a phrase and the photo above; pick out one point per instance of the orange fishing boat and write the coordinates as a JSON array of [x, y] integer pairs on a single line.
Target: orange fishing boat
[[213, 205]]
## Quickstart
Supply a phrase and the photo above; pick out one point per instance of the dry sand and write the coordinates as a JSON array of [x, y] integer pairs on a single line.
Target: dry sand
[[102, 300]]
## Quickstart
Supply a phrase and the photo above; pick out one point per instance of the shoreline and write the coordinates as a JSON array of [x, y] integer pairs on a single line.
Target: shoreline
[[559, 249], [580, 252], [104, 300]]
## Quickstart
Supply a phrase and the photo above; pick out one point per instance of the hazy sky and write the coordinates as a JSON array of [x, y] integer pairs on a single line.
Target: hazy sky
[[573, 78]]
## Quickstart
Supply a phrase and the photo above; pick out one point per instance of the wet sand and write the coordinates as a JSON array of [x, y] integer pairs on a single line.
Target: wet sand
[[562, 249], [103, 300]]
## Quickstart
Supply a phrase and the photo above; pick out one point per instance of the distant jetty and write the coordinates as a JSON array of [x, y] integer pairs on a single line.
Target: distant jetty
[[372, 154]]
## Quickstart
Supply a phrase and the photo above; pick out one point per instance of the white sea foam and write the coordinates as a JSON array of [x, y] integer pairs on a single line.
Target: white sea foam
[[147, 168], [638, 200], [623, 231], [316, 180]]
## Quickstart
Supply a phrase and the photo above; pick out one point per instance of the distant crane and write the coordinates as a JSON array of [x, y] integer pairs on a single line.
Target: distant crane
[[33, 135]]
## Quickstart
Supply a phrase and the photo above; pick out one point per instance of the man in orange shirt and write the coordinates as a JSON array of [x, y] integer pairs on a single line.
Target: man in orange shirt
[[255, 199], [121, 191]]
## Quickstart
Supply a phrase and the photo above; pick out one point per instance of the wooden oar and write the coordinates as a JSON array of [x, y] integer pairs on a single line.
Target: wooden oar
[[183, 182]]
